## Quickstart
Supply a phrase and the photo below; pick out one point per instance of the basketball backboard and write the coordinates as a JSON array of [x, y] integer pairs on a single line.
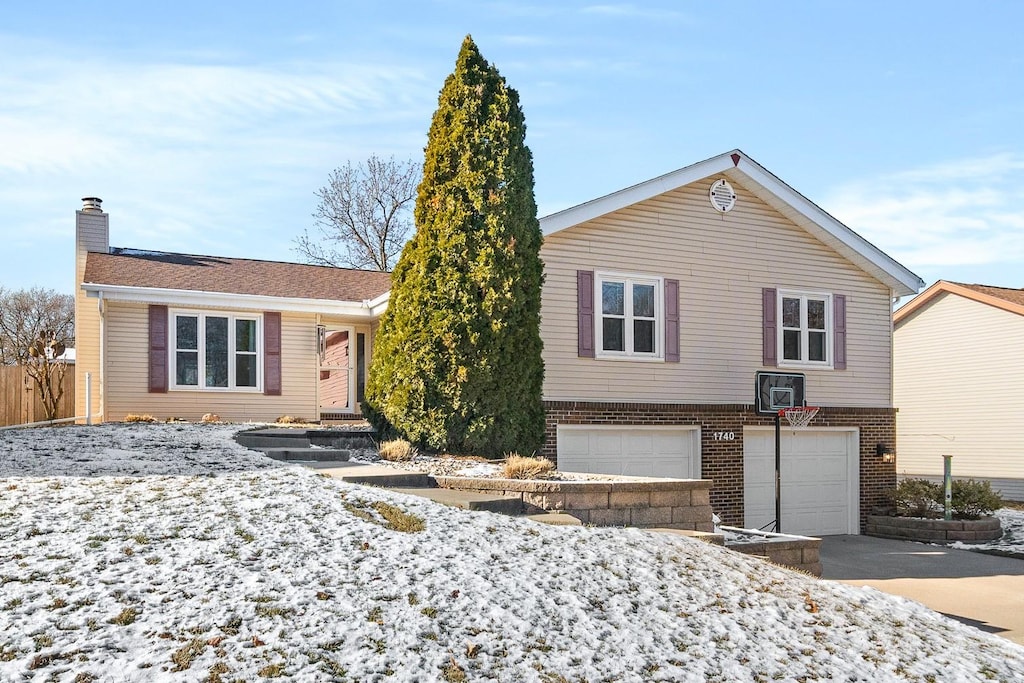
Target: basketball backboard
[[774, 391]]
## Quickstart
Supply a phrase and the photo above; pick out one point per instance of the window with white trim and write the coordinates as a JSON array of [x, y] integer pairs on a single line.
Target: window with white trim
[[215, 351], [805, 330], [631, 317]]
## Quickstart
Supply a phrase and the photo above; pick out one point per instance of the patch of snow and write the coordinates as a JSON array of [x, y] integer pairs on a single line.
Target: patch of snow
[[171, 553], [1012, 541]]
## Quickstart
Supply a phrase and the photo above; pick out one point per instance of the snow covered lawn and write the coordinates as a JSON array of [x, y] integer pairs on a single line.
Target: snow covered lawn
[[168, 552]]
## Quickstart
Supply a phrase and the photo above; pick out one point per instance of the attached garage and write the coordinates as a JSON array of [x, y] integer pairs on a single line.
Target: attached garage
[[820, 480], [630, 451]]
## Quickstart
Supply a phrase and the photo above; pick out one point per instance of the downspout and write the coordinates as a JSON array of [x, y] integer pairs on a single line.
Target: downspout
[[892, 349], [316, 362], [101, 308]]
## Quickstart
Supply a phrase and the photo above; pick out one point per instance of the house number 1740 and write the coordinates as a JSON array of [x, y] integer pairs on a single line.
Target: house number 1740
[[723, 436]]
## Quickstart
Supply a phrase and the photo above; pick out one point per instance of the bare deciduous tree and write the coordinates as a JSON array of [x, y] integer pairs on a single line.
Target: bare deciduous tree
[[364, 216], [36, 326]]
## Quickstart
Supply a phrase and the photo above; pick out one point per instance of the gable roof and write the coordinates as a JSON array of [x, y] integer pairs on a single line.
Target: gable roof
[[771, 190], [161, 276], [1004, 298]]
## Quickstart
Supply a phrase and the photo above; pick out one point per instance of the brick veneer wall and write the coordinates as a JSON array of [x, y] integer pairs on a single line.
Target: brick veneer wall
[[722, 461]]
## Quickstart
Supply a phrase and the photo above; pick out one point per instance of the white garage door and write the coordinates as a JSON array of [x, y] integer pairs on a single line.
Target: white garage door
[[630, 451], [820, 480]]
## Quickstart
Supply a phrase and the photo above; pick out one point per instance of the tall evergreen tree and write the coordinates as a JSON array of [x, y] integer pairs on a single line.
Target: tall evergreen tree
[[457, 359]]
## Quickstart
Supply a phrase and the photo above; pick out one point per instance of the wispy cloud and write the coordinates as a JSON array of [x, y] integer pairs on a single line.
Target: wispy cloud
[[179, 146], [956, 213], [631, 11]]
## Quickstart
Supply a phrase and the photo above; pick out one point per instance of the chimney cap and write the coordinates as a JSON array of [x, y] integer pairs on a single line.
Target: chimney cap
[[92, 204]]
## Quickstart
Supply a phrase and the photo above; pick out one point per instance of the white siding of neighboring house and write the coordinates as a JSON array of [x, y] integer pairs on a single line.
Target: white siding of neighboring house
[[959, 388], [722, 263]]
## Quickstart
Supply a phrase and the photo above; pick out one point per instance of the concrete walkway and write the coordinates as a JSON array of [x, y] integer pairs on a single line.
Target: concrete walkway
[[984, 591]]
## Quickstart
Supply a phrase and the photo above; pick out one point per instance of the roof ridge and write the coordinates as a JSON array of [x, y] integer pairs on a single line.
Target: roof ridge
[[978, 284]]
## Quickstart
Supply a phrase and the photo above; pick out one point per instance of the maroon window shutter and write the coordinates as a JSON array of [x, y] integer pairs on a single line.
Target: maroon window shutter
[[272, 353], [839, 327], [585, 312], [157, 349], [769, 328], [672, 321]]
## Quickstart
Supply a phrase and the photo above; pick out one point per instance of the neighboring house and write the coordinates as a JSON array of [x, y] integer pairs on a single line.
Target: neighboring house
[[660, 304], [959, 384]]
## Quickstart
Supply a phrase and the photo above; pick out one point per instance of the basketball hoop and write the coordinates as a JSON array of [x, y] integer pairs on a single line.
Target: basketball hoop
[[799, 416]]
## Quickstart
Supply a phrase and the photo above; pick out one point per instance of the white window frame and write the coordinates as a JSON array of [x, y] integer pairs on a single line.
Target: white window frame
[[201, 316], [803, 362], [629, 279]]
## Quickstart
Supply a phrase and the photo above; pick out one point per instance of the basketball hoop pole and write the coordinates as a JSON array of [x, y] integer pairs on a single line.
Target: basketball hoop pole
[[778, 473]]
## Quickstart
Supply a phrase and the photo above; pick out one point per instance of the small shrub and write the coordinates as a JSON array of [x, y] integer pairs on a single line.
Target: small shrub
[[522, 467], [291, 420], [973, 499], [917, 498], [397, 450], [132, 417]]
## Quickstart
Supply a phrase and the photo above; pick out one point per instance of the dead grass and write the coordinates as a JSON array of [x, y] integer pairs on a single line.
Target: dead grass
[[292, 420], [387, 516], [132, 417], [185, 655], [522, 467], [398, 519], [397, 450], [126, 617]]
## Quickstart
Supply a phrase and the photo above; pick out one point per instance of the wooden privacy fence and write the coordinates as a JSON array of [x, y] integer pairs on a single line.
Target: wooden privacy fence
[[19, 397]]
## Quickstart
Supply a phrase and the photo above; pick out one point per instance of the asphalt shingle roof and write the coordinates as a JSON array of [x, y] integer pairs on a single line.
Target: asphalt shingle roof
[[1014, 296], [162, 270]]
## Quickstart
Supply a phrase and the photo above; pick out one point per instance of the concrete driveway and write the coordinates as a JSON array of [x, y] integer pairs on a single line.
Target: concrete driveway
[[984, 591]]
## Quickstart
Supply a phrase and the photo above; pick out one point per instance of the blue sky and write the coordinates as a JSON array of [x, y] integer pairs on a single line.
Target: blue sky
[[207, 127]]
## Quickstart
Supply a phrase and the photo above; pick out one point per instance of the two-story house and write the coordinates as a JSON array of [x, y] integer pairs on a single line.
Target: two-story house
[[662, 303]]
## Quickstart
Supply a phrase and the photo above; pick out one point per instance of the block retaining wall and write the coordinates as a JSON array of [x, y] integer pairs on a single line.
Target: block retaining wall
[[934, 530], [633, 501], [722, 460], [796, 552]]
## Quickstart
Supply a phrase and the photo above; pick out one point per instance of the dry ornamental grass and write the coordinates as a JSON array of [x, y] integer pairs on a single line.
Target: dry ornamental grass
[[397, 450], [522, 467]]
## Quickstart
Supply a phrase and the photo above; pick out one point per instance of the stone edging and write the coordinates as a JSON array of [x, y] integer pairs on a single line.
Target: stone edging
[[635, 501], [934, 530], [797, 552]]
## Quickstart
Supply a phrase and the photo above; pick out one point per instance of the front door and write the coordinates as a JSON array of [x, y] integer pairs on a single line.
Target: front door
[[336, 386]]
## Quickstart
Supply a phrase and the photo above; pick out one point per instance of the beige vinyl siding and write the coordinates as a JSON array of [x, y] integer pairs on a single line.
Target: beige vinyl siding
[[722, 262], [127, 374], [959, 388]]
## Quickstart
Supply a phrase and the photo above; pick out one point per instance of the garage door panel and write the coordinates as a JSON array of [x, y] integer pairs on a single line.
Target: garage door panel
[[816, 488], [640, 445], [630, 451], [573, 443], [669, 444]]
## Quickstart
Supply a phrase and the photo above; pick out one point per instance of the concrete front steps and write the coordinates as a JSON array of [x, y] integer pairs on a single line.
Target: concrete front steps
[[307, 445]]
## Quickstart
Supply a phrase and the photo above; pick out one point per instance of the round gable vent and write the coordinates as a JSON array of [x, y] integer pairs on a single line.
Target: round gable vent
[[722, 196]]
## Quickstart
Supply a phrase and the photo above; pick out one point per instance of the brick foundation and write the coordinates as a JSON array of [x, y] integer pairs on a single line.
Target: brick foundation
[[722, 461]]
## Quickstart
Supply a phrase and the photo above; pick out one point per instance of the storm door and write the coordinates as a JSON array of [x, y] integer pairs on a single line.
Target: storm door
[[336, 386]]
